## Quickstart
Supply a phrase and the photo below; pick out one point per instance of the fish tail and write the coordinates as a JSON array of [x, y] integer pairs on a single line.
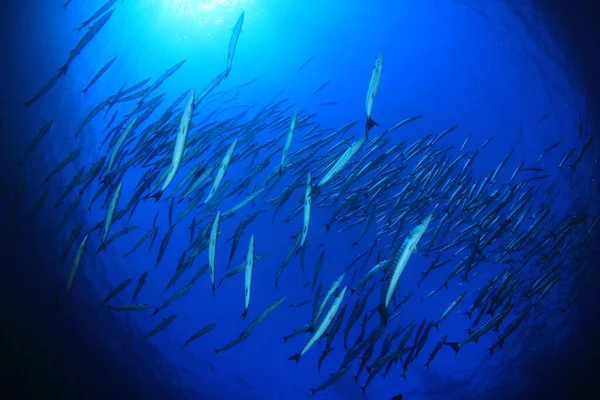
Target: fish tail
[[20, 163], [216, 351], [277, 283], [47, 180], [383, 314], [109, 307], [295, 357], [427, 364], [244, 314], [155, 311], [63, 70], [354, 244], [285, 339], [155, 196], [491, 350], [213, 289], [84, 91], [436, 326], [364, 389], [455, 346], [313, 391]]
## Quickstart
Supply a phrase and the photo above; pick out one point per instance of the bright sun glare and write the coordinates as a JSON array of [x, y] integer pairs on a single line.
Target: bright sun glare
[[205, 11]]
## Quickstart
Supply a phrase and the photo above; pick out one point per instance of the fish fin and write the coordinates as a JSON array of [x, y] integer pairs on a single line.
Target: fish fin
[[455, 346], [295, 357], [383, 314], [369, 125], [155, 196]]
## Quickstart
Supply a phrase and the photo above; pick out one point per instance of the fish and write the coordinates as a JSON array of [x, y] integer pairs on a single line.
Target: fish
[[288, 140], [479, 332], [305, 63], [99, 74], [36, 140], [212, 249], [201, 332], [111, 210], [68, 160], [90, 34], [323, 86], [140, 284], [130, 307], [221, 171], [235, 35], [322, 326], [372, 92], [75, 266], [409, 247], [161, 326], [248, 276], [116, 291], [184, 126], [243, 336], [307, 203]]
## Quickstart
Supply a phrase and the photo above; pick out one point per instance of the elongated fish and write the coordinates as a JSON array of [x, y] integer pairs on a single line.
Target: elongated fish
[[160, 327], [64, 163], [118, 145], [482, 330], [288, 140], [130, 307], [99, 74], [36, 140], [75, 265], [111, 211], [221, 171], [268, 311], [139, 285], [212, 249], [201, 332], [450, 308], [307, 203], [322, 326], [342, 161], [372, 92], [248, 275], [409, 246], [235, 35], [116, 291], [184, 126]]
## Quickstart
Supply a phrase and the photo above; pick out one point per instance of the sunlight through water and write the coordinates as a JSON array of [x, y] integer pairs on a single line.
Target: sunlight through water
[[205, 12]]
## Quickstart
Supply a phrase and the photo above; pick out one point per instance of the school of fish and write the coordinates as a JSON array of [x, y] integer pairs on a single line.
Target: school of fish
[[405, 197]]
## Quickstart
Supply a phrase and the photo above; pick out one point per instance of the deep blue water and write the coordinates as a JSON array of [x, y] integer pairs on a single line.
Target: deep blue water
[[503, 70]]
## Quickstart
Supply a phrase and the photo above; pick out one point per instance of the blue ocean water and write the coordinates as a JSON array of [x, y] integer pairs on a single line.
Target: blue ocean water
[[495, 70]]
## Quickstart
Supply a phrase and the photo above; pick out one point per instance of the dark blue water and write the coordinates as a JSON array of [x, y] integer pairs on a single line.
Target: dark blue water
[[522, 73]]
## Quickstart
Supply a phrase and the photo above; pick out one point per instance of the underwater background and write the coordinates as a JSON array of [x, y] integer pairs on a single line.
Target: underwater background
[[523, 74]]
